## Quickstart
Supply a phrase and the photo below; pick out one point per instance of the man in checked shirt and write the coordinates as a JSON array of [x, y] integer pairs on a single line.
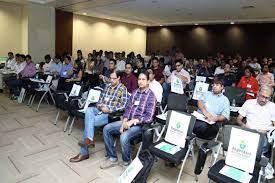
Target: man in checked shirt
[[140, 110], [113, 98]]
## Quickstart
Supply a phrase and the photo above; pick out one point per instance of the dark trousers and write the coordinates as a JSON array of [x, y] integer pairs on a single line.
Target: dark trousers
[[15, 86], [204, 130]]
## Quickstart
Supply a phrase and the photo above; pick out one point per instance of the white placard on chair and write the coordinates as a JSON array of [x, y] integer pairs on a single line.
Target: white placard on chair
[[200, 79], [131, 172], [176, 85], [242, 149], [93, 97], [177, 128], [75, 90], [200, 88]]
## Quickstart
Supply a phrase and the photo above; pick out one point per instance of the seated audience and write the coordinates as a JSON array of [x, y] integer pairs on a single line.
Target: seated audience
[[249, 83], [120, 62], [155, 86], [182, 74], [139, 67], [47, 65], [90, 64], [220, 69], [140, 110], [113, 98], [129, 79], [99, 65], [10, 62], [55, 66], [65, 73], [215, 107], [229, 79], [205, 70], [157, 70], [16, 83], [259, 114], [255, 66], [240, 71], [80, 57], [265, 77], [106, 75]]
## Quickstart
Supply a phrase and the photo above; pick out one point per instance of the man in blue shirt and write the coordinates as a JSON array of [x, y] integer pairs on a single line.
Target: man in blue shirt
[[215, 107], [55, 66], [67, 67]]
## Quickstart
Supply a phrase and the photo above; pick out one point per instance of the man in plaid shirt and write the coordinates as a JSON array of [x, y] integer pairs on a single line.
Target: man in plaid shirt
[[113, 98]]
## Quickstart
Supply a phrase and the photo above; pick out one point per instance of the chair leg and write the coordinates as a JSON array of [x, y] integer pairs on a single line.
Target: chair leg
[[193, 159], [67, 122], [57, 116], [29, 102], [71, 127], [32, 100], [52, 96], [139, 149], [182, 165], [41, 101]]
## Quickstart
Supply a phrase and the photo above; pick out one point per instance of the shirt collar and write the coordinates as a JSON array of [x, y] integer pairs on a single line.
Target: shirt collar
[[220, 94], [146, 91]]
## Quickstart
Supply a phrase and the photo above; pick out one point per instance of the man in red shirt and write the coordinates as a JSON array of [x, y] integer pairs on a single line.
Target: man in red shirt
[[157, 70], [249, 83]]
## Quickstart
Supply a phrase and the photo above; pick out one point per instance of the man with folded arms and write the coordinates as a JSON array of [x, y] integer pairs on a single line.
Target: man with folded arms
[[113, 98], [259, 114], [215, 107], [140, 110]]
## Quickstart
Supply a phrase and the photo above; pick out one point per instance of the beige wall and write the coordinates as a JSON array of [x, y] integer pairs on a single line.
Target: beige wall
[[11, 28], [93, 33]]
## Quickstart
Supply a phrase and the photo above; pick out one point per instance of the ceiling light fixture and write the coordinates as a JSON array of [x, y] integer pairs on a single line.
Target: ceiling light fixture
[[160, 25], [196, 24], [232, 23], [84, 13]]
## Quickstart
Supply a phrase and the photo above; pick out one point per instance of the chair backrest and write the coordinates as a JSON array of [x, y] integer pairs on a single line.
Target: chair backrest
[[177, 102], [226, 138], [235, 93], [191, 124], [93, 97]]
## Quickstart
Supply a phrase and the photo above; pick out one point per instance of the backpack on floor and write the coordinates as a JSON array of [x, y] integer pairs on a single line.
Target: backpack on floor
[[147, 159]]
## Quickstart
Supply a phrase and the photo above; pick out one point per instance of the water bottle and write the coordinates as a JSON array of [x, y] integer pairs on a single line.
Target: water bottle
[[36, 76], [233, 102]]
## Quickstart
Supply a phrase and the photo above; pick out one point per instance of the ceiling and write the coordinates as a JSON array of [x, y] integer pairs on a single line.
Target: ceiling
[[170, 12]]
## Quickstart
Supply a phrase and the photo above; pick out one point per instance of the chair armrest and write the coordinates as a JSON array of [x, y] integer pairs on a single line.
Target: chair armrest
[[190, 137]]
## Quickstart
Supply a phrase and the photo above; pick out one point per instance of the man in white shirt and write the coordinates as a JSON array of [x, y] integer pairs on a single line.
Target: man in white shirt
[[47, 65], [220, 69], [10, 61], [255, 65], [155, 86], [182, 74], [259, 113], [120, 63]]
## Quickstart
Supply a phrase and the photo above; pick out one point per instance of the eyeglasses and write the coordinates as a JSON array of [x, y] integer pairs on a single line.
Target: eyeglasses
[[264, 97]]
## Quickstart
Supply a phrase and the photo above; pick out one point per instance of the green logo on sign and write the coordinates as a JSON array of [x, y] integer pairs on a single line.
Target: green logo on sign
[[178, 125], [242, 144]]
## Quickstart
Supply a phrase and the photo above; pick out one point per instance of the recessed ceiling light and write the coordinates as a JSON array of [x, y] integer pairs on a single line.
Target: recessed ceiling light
[[154, 1], [196, 24], [232, 23], [84, 13]]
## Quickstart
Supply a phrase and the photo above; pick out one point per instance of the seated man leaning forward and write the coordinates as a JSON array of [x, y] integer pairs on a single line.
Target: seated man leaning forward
[[215, 107], [140, 110], [113, 98], [260, 114]]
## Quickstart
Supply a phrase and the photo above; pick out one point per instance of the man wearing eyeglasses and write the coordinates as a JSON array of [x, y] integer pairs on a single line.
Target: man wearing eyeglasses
[[259, 113], [181, 73], [113, 98]]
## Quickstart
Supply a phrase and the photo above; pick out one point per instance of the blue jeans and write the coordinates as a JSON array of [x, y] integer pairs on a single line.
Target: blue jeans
[[166, 91], [111, 130], [92, 120]]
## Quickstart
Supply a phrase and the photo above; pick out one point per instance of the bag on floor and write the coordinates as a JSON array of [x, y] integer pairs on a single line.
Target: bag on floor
[[147, 159]]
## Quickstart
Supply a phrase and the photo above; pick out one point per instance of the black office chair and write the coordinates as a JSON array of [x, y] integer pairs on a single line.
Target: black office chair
[[235, 93], [182, 154], [261, 162]]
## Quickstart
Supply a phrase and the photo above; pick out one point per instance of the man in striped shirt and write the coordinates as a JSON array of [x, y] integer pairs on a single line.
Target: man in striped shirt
[[113, 98], [140, 110]]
